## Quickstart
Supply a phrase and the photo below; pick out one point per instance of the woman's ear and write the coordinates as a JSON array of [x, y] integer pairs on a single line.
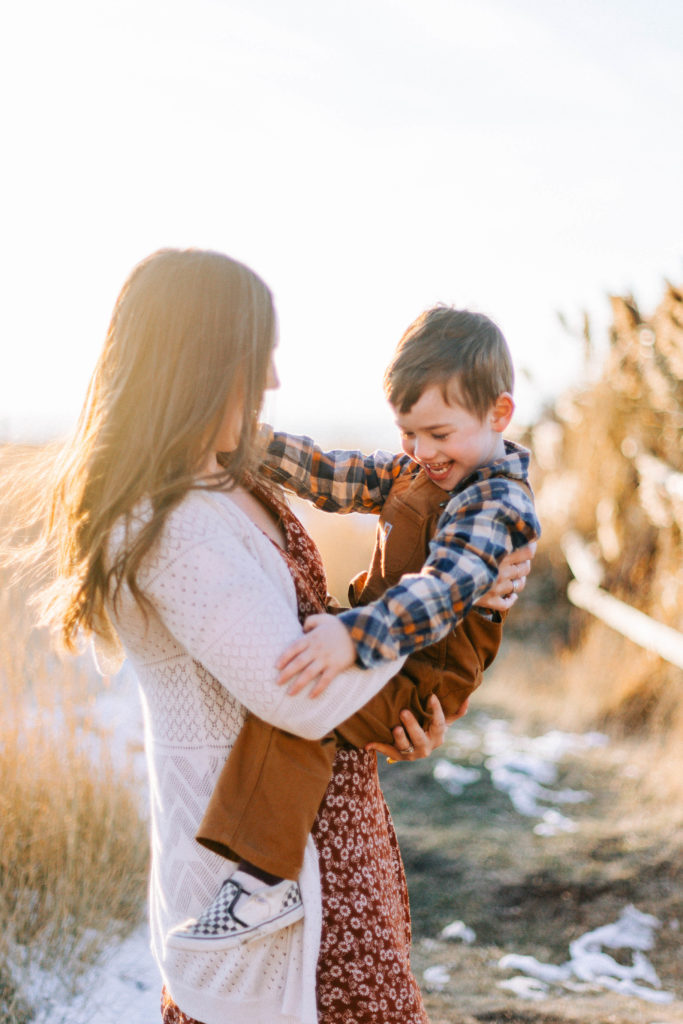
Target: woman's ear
[[501, 412]]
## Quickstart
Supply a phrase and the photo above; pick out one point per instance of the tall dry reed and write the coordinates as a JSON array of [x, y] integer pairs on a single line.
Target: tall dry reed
[[609, 468], [73, 838]]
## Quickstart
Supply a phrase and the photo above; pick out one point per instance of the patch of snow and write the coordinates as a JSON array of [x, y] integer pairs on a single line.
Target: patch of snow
[[457, 931], [522, 767], [436, 978], [626, 987], [525, 988], [581, 987], [633, 930], [533, 968], [124, 984], [552, 823], [454, 777], [591, 966]]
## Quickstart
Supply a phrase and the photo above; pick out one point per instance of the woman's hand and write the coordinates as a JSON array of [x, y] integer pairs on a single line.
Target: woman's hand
[[511, 580], [411, 741]]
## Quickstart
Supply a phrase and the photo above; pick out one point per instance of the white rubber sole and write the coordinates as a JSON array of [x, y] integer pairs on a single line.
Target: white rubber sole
[[214, 944]]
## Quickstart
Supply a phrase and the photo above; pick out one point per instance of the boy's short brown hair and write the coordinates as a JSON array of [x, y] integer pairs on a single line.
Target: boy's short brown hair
[[465, 353]]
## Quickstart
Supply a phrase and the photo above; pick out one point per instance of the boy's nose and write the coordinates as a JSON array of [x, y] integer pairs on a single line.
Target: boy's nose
[[424, 449]]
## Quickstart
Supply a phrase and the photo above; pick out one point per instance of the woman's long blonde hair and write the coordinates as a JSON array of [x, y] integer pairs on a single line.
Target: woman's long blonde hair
[[191, 332]]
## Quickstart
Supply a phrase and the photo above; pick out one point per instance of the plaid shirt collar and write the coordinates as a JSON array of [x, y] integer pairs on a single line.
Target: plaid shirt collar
[[515, 463]]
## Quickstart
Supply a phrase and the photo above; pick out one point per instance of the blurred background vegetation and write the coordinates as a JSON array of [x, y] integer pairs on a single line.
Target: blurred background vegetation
[[608, 476]]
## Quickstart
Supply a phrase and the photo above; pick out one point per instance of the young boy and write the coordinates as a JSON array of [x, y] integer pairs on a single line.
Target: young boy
[[451, 508]]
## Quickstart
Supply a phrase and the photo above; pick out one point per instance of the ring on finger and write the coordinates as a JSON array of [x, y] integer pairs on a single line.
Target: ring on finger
[[514, 586], [408, 750]]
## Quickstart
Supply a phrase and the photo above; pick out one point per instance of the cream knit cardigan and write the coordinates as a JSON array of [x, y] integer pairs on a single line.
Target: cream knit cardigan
[[224, 610]]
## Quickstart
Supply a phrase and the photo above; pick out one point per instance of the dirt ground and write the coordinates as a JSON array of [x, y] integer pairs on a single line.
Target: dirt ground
[[474, 858]]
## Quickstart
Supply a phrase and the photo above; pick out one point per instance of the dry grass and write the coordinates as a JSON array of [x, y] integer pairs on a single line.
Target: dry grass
[[73, 841], [73, 844], [609, 466]]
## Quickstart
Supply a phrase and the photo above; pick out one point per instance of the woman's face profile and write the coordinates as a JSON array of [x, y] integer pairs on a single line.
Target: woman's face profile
[[230, 429]]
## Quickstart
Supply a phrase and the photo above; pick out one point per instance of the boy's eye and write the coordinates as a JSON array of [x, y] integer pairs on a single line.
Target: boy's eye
[[439, 437]]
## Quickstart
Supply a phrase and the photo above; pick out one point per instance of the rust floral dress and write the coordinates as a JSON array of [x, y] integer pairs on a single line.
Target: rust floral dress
[[364, 974]]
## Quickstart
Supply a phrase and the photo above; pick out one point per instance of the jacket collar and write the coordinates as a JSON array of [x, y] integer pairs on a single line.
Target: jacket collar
[[515, 464]]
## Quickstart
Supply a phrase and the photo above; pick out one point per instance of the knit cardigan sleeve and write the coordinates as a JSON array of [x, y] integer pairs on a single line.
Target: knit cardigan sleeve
[[225, 595]]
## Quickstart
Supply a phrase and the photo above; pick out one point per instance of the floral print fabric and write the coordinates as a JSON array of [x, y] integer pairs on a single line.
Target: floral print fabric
[[364, 974]]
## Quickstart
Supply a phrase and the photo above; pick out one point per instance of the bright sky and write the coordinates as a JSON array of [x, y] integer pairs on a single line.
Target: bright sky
[[366, 157]]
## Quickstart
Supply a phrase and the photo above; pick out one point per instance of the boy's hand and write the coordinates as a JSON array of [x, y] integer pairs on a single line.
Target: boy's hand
[[325, 651]]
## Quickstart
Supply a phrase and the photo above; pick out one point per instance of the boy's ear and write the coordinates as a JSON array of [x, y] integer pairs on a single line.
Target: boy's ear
[[501, 412]]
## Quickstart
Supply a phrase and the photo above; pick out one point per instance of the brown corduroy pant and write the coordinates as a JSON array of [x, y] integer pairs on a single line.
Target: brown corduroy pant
[[269, 791]]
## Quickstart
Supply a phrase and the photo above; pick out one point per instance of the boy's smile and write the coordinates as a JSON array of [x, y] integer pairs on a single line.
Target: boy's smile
[[448, 440]]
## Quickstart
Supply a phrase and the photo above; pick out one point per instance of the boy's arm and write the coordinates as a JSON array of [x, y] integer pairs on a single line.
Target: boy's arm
[[478, 529], [454, 668], [335, 481]]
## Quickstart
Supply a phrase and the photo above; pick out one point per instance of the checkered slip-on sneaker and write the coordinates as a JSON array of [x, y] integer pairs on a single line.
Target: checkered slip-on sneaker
[[237, 916]]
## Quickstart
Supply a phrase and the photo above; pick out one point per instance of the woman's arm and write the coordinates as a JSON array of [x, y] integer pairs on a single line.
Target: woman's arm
[[221, 590]]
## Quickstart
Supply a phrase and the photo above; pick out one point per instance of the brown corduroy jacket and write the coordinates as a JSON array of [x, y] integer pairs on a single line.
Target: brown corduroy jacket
[[453, 667]]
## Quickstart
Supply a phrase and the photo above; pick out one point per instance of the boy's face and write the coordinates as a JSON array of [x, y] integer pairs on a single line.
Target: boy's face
[[449, 441]]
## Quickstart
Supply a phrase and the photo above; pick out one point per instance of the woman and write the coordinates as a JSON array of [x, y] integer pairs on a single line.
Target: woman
[[199, 573]]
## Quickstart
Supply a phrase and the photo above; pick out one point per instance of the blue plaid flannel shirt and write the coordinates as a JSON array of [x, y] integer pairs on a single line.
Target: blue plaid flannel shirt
[[488, 515]]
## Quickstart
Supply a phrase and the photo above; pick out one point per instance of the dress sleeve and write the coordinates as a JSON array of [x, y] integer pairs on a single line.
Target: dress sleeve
[[474, 535], [219, 603], [334, 481]]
